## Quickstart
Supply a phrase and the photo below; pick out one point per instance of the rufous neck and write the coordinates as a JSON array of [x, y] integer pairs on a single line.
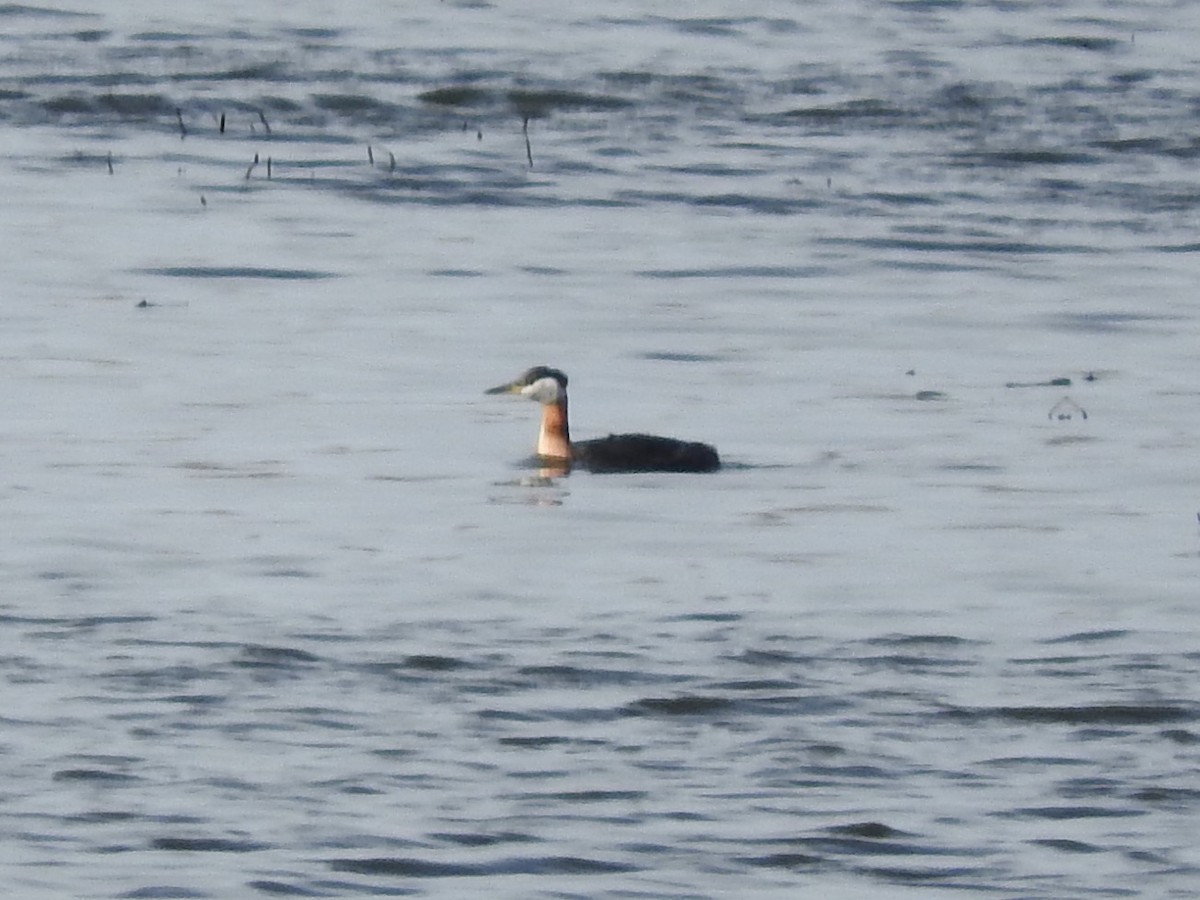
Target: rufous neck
[[554, 439]]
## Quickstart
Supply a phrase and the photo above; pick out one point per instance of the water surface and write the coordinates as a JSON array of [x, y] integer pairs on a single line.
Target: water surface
[[285, 613]]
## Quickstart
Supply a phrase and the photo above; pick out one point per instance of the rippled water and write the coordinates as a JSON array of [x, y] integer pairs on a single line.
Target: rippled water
[[286, 612]]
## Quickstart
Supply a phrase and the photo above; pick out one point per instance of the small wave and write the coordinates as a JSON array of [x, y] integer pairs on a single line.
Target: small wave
[[238, 272], [207, 845], [1102, 714], [688, 705], [425, 868], [1069, 813]]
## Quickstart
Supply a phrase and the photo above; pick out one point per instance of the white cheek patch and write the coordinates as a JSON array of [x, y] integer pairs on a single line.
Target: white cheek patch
[[544, 390]]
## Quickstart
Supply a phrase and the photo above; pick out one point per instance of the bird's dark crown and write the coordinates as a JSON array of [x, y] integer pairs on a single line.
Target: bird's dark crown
[[537, 373]]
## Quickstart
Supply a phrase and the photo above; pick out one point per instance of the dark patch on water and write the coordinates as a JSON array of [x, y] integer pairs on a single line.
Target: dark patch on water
[[398, 867], [1089, 637], [847, 843], [535, 743], [208, 845], [912, 663], [1028, 157], [251, 72], [1066, 846], [708, 169], [688, 705], [1034, 761], [508, 715], [456, 273], [315, 34], [1093, 787], [924, 876], [736, 272], [1104, 322], [1181, 736], [770, 658], [127, 106], [532, 104], [803, 861], [872, 830], [481, 839], [901, 200], [168, 37], [598, 796], [96, 776], [582, 677], [102, 817], [287, 573], [238, 272], [82, 622], [1068, 813], [909, 640], [255, 656], [1180, 799], [536, 104], [1079, 42], [668, 356], [40, 12], [461, 95], [1001, 246], [359, 108], [752, 202], [765, 204], [433, 663], [196, 700], [757, 685], [841, 114], [1115, 714], [706, 617]]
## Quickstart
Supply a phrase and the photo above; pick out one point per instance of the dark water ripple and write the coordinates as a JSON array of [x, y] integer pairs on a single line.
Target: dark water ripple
[[927, 131], [712, 753], [522, 755]]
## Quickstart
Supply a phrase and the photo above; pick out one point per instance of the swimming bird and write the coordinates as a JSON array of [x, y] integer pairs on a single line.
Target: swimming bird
[[615, 453]]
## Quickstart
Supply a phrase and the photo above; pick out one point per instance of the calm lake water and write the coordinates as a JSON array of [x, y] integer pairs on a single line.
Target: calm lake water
[[287, 613]]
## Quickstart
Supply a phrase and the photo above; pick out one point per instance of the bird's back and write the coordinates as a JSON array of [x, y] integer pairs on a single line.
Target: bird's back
[[644, 453]]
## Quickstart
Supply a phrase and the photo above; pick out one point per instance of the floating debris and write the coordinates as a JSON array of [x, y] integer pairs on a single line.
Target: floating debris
[[1053, 382], [1065, 410]]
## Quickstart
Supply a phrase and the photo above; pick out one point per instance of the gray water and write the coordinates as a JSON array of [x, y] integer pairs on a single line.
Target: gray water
[[287, 613]]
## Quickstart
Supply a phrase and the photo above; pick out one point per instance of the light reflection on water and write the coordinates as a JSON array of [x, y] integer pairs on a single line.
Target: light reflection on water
[[286, 609]]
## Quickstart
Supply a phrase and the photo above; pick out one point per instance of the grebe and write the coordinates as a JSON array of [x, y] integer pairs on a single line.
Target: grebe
[[615, 453]]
